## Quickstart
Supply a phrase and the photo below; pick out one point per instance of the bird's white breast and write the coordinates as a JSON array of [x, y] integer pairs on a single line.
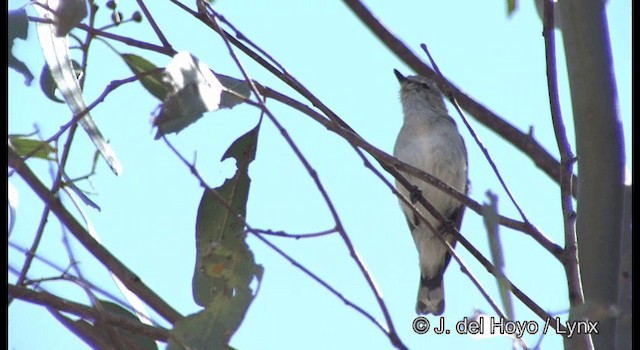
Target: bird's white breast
[[431, 142]]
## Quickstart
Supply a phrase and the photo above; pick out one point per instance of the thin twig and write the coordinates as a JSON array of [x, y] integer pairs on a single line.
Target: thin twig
[[485, 262], [55, 187], [154, 25], [31, 253], [320, 281], [421, 217], [522, 141], [66, 276], [387, 161], [281, 73], [50, 300], [114, 84], [517, 292], [129, 41], [533, 306], [258, 233], [131, 280], [351, 136], [296, 235], [465, 243], [87, 43], [567, 159], [94, 335], [475, 136], [242, 37], [391, 332]]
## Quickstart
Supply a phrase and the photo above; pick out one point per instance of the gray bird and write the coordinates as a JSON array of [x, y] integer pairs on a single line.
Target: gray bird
[[429, 140]]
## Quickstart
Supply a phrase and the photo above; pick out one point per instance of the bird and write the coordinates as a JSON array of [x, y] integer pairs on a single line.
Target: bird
[[429, 140]]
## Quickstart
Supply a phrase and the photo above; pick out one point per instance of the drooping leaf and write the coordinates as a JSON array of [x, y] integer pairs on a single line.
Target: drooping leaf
[[23, 145], [511, 6], [18, 27], [48, 85], [83, 330], [200, 331], [194, 91], [100, 335], [129, 338], [17, 24], [56, 53], [225, 266], [491, 222], [220, 235], [153, 82]]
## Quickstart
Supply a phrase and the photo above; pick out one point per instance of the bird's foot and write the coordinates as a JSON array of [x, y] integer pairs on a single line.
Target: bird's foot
[[415, 194]]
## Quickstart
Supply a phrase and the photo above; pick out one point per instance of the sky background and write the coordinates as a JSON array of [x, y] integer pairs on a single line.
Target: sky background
[[148, 213]]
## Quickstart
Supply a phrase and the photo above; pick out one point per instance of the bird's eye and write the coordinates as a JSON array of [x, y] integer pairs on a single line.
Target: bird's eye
[[425, 85]]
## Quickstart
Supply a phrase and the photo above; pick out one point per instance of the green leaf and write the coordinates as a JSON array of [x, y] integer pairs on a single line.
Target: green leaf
[[83, 330], [491, 222], [100, 335], [199, 331], [17, 24], [225, 266], [511, 6], [220, 235], [18, 27], [24, 145], [48, 84], [131, 339], [153, 82]]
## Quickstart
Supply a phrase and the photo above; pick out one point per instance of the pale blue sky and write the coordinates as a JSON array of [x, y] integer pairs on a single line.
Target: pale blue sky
[[148, 213]]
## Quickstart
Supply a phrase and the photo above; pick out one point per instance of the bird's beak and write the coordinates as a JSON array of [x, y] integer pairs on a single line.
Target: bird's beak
[[401, 78]]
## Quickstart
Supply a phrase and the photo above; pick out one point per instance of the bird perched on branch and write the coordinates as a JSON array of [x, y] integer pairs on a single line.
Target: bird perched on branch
[[429, 140]]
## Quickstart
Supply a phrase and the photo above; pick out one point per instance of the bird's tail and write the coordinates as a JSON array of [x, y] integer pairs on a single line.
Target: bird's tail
[[430, 296]]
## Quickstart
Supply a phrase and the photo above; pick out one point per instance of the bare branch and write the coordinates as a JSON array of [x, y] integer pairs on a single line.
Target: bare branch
[[131, 280], [391, 333], [387, 162], [392, 165], [31, 253], [129, 41], [55, 302], [65, 275], [334, 123], [567, 159], [322, 282], [114, 84], [522, 141], [258, 233], [475, 136], [419, 215], [154, 25], [295, 235]]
